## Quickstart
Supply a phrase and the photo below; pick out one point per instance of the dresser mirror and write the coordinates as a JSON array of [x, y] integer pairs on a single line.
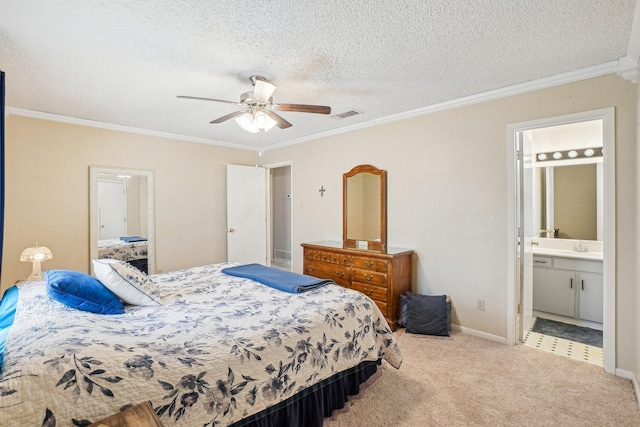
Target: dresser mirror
[[364, 208], [122, 216]]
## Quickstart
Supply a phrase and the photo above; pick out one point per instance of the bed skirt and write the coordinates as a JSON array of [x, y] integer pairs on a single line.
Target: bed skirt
[[311, 406]]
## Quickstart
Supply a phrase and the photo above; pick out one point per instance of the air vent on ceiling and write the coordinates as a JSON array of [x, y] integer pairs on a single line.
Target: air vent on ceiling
[[346, 114]]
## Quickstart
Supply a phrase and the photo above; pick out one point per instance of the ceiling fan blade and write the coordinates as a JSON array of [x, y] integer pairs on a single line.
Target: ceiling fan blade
[[280, 121], [318, 109], [227, 117], [208, 99], [263, 91]]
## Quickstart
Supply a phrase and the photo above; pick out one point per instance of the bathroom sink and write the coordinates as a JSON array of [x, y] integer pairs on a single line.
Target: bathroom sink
[[567, 253]]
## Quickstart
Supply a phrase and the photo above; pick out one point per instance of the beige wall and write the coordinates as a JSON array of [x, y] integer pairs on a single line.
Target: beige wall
[[47, 193], [447, 195]]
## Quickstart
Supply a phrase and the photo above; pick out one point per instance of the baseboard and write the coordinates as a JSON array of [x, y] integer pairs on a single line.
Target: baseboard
[[630, 376], [479, 334]]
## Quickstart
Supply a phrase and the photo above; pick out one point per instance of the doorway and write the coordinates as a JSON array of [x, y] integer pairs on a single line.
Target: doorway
[[280, 248], [112, 208], [259, 224], [532, 228]]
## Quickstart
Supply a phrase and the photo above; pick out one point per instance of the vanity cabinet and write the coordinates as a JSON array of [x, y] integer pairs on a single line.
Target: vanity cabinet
[[381, 275], [568, 287]]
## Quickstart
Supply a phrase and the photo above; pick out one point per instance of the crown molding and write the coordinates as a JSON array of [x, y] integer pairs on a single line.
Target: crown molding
[[628, 69], [108, 126], [628, 65], [557, 80], [612, 67]]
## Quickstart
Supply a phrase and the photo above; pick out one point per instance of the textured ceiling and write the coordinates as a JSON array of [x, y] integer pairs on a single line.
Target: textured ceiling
[[123, 62]]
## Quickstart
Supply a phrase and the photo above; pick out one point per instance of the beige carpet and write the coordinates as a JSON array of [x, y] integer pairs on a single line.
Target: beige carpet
[[469, 381]]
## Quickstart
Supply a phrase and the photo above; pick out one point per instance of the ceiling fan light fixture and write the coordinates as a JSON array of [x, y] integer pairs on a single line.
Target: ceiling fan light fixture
[[256, 121], [247, 123], [263, 121]]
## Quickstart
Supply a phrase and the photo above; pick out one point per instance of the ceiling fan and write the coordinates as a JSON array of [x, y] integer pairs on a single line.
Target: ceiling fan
[[257, 110]]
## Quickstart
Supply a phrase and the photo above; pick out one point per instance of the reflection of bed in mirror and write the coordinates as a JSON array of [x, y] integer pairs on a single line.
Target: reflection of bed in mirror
[[134, 252], [121, 205]]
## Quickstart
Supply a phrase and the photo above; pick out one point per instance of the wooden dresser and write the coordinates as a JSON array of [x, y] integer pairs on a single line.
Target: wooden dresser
[[383, 276]]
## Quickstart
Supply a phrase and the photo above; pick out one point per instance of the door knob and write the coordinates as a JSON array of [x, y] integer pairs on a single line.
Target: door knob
[[231, 230]]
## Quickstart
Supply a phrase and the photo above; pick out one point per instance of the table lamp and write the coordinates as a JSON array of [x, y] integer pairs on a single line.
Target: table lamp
[[36, 254]]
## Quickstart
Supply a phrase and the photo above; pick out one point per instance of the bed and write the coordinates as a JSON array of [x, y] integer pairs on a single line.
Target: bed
[[222, 350], [133, 251]]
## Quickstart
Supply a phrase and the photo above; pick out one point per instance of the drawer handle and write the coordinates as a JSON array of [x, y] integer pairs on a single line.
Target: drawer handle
[[582, 284], [368, 264], [312, 269], [368, 278], [368, 292], [340, 274], [571, 285]]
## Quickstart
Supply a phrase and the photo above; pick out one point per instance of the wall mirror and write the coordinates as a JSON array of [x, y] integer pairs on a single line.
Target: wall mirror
[[569, 201], [122, 216], [568, 180], [364, 208]]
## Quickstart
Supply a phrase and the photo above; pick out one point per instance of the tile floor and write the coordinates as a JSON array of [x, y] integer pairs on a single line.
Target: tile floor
[[572, 349]]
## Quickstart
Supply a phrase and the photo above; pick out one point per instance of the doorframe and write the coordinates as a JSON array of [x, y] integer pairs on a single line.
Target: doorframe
[[286, 163], [609, 257]]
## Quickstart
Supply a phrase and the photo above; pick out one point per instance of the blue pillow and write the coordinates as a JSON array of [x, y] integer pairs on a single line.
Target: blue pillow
[[8, 305], [7, 313], [81, 291], [403, 309], [428, 315]]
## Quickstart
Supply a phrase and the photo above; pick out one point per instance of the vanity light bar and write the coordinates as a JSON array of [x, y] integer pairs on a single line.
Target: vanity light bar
[[582, 153]]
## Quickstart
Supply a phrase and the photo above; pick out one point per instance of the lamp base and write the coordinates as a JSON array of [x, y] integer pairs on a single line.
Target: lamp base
[[36, 272]]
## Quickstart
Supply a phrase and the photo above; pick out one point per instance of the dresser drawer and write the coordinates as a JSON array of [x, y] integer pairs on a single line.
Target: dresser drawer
[[335, 258], [369, 264], [312, 254], [338, 273], [369, 277], [376, 293]]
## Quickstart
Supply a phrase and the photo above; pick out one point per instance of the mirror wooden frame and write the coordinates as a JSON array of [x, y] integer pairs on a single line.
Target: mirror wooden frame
[[375, 245], [94, 231]]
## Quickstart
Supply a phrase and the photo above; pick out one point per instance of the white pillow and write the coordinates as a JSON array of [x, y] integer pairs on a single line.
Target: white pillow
[[128, 283]]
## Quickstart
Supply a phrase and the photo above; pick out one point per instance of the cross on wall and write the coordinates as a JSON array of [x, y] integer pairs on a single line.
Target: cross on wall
[[321, 191]]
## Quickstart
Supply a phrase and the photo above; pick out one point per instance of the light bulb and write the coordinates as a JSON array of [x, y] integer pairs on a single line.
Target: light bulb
[[573, 154], [557, 155]]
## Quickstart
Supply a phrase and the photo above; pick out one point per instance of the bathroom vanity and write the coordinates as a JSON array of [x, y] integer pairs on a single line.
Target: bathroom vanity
[[568, 283]]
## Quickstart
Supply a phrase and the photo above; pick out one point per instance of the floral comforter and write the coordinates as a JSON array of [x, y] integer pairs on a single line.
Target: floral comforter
[[124, 251], [221, 348]]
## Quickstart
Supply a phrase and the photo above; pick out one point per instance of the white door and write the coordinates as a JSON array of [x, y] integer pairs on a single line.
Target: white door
[[246, 214], [527, 234], [112, 209]]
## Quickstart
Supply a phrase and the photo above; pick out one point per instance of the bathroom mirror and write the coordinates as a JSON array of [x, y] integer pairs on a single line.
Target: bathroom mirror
[[364, 208], [569, 201], [122, 216]]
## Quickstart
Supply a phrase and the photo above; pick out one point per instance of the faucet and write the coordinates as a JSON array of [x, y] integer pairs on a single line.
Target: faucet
[[580, 248]]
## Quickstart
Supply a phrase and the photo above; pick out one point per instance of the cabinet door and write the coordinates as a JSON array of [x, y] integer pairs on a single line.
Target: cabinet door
[[554, 291], [590, 296]]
